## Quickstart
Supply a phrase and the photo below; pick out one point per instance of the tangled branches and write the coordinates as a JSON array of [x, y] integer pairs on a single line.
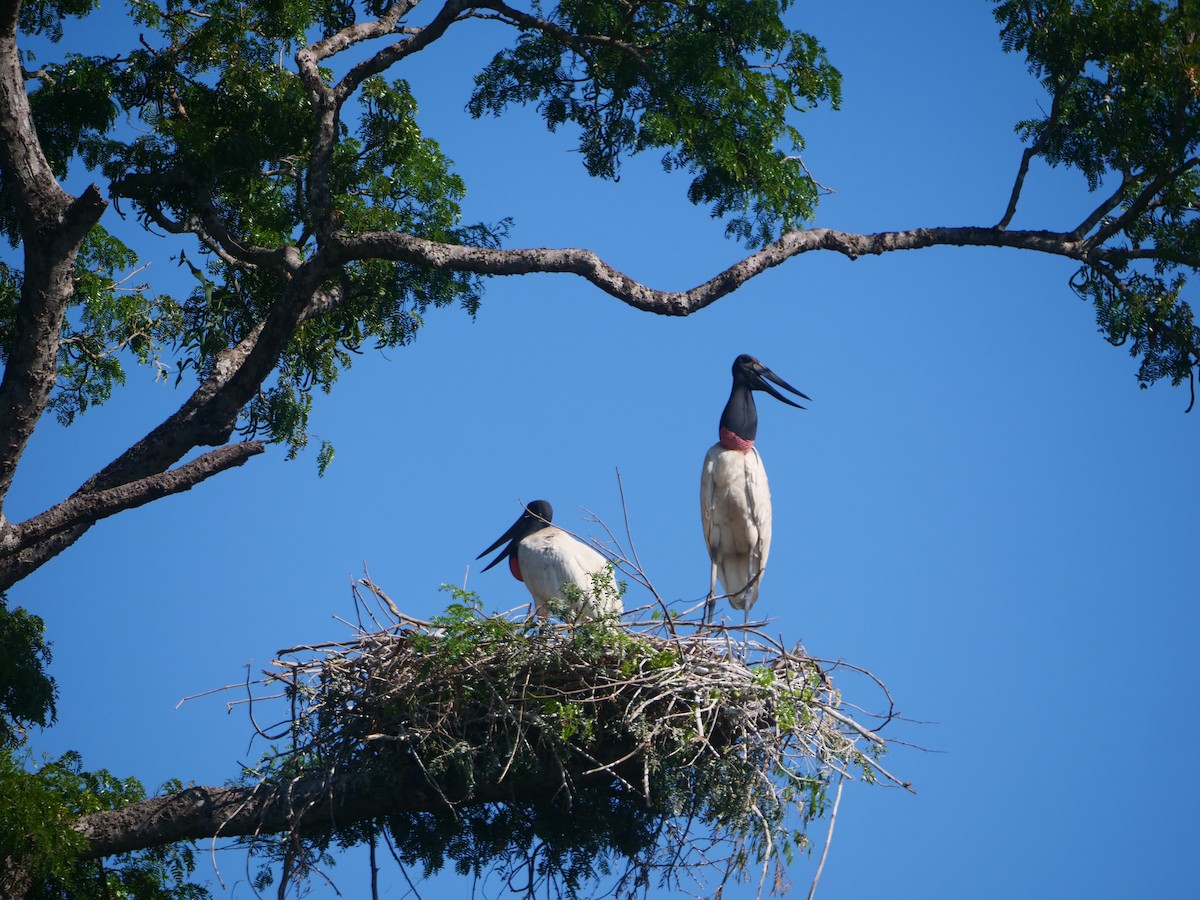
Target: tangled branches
[[569, 760]]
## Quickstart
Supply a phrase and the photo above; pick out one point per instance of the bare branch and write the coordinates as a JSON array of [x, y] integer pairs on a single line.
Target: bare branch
[[1111, 203], [586, 264], [419, 39], [86, 508], [1142, 202], [837, 802], [577, 42], [1031, 151]]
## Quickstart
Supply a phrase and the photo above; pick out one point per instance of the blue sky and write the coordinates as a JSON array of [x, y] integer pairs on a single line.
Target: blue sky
[[979, 505]]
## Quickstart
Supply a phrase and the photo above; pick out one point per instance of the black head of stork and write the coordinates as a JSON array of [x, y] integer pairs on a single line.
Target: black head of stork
[[740, 417], [537, 515]]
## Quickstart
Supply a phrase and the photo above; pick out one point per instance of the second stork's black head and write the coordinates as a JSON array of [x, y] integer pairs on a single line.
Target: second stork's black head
[[537, 516], [740, 415]]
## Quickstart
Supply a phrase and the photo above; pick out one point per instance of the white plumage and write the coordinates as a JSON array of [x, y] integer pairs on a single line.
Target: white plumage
[[550, 560], [566, 577], [735, 509], [735, 502]]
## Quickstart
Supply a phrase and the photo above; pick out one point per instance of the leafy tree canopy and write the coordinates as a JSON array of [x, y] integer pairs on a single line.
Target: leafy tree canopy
[[282, 141], [1124, 82], [279, 143], [230, 156]]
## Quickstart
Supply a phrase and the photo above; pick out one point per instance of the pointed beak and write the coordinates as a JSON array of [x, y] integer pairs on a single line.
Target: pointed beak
[[511, 536], [765, 376], [535, 516]]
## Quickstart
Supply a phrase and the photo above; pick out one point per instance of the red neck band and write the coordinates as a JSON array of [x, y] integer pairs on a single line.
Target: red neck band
[[731, 441]]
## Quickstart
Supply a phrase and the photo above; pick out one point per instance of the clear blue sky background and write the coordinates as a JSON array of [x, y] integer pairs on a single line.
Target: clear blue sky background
[[980, 505]]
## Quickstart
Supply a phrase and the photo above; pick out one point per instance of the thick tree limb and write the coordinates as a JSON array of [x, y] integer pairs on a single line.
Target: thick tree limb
[[86, 508], [419, 39], [308, 804], [586, 264], [54, 224], [347, 37]]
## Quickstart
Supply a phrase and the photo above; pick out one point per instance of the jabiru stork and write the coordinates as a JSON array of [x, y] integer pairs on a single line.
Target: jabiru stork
[[549, 561], [735, 502]]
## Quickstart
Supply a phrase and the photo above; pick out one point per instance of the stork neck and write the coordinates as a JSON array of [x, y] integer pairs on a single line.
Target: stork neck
[[731, 441], [739, 419]]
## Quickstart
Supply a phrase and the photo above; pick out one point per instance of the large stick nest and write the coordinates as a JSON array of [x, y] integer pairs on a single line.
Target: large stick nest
[[558, 757]]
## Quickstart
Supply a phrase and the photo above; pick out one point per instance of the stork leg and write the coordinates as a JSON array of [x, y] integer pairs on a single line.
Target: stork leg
[[710, 604]]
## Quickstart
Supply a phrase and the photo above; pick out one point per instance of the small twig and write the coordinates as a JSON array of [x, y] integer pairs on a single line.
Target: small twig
[[820, 186], [837, 800]]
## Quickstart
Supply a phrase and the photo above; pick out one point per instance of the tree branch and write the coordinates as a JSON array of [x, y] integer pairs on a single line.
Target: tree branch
[[308, 804], [205, 224], [419, 39], [327, 102], [347, 37], [1096, 215], [586, 264], [577, 42], [1033, 150], [1140, 203], [208, 416], [86, 508], [53, 224]]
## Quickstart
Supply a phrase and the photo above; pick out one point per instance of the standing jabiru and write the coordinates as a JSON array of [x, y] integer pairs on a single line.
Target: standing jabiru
[[566, 577], [735, 502]]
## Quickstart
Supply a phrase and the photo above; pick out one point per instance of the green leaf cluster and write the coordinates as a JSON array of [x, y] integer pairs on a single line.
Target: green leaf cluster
[[712, 85], [27, 692], [1124, 77], [45, 17], [221, 142], [110, 324], [38, 846]]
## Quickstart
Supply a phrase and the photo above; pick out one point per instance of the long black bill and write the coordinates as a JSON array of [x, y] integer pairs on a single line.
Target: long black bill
[[766, 376], [537, 515], [509, 536]]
